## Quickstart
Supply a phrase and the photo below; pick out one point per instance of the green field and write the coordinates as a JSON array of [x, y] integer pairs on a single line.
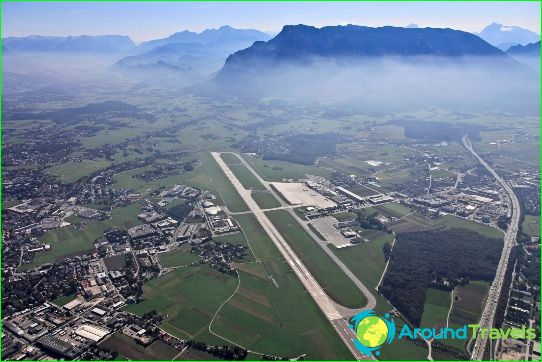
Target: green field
[[179, 257], [366, 260], [230, 159], [467, 308], [276, 318], [275, 171], [265, 199], [531, 225], [393, 209], [327, 273], [72, 171], [64, 300], [71, 241], [247, 178], [188, 296], [436, 307], [416, 222]]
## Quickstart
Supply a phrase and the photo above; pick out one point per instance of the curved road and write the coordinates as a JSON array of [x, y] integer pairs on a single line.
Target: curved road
[[488, 314]]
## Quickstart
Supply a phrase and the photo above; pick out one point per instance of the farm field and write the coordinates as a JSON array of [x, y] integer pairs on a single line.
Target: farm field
[[416, 222], [188, 296], [468, 305], [177, 258], [436, 307], [531, 225], [331, 278], [265, 199]]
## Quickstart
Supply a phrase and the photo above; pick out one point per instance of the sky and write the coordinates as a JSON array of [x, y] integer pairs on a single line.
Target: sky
[[151, 20]]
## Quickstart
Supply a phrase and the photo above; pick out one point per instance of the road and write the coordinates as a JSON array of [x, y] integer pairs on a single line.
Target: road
[[324, 302], [488, 314]]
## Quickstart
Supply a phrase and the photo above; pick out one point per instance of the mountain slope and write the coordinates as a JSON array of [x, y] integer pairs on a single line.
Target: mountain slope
[[532, 49], [301, 44], [527, 54], [504, 37], [81, 43], [379, 69]]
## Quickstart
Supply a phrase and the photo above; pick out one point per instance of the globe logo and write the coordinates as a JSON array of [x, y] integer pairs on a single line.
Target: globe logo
[[372, 332]]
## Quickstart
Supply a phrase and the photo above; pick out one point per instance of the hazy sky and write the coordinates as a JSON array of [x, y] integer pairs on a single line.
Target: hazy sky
[[146, 20]]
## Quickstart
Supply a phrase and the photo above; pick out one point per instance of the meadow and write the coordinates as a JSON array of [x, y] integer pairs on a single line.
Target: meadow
[[178, 258], [436, 307], [265, 199]]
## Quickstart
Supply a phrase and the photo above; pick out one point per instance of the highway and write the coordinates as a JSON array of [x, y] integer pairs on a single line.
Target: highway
[[324, 302], [488, 314]]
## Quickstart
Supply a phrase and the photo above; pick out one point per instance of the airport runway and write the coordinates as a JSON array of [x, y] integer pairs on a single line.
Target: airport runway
[[344, 311], [324, 302]]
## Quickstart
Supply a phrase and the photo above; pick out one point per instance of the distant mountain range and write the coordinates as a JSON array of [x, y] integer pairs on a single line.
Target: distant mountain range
[[302, 43], [532, 49], [81, 43], [221, 37], [503, 36], [527, 54], [188, 56]]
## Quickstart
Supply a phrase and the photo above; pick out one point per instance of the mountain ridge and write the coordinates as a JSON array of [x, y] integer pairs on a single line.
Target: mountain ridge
[[77, 43], [505, 36], [301, 43]]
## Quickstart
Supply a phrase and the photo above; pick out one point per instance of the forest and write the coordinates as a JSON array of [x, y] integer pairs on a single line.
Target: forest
[[441, 258]]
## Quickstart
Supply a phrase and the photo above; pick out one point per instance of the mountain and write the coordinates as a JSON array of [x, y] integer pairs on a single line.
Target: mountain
[[187, 56], [527, 54], [532, 49], [412, 26], [385, 69], [224, 36], [503, 36], [79, 44], [302, 43]]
